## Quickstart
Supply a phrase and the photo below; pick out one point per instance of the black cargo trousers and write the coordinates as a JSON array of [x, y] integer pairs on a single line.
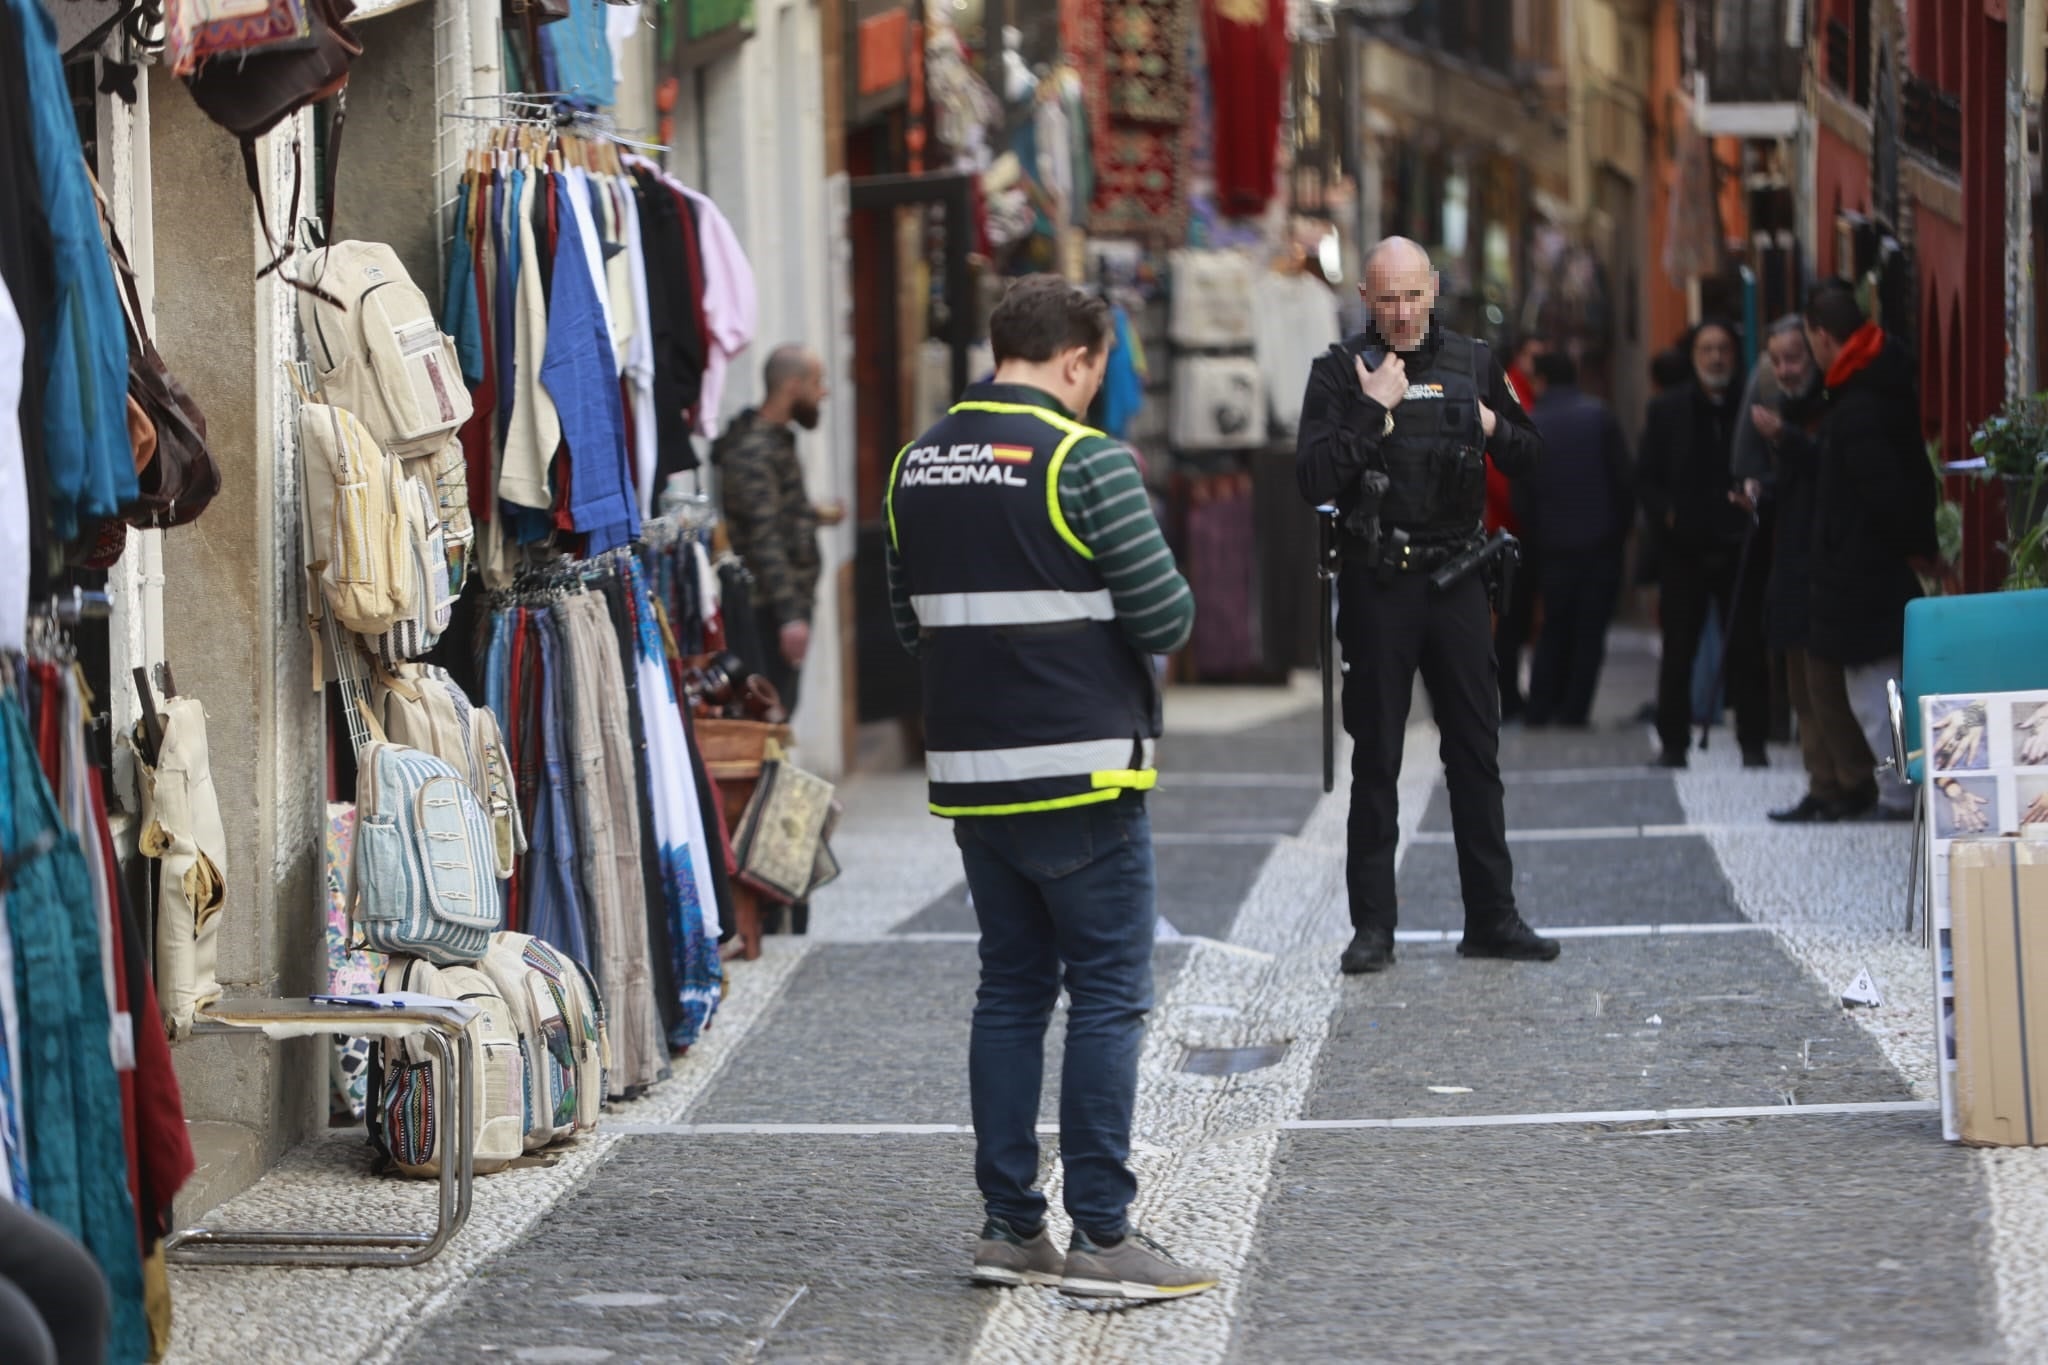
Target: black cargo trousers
[[1387, 631]]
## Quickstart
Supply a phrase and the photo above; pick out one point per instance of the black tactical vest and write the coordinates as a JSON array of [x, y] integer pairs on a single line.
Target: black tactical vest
[[1033, 698], [1435, 457]]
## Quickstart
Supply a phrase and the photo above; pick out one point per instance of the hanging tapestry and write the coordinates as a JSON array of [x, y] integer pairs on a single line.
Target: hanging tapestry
[[1138, 187], [1081, 40], [1147, 59]]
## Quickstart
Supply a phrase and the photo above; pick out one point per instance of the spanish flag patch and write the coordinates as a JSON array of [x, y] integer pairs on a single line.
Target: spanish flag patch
[[1011, 454]]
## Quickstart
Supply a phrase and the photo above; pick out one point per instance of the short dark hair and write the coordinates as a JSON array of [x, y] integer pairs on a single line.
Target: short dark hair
[[1043, 315], [1671, 367], [1557, 368], [786, 364], [1719, 324], [1831, 306]]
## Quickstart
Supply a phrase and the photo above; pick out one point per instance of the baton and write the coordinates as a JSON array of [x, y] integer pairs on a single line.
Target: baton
[[1328, 556]]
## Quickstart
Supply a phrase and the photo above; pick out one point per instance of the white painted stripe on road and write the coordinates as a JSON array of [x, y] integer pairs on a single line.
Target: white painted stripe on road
[[1539, 777], [1591, 931], [1167, 934], [1742, 1111], [1238, 836], [1587, 833], [1170, 778]]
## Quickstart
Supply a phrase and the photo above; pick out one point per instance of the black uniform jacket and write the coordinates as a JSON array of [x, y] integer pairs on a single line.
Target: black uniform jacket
[[1341, 428]]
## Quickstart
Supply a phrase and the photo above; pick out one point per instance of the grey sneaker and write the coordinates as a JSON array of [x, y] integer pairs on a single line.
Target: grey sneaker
[[1007, 1257], [1135, 1268]]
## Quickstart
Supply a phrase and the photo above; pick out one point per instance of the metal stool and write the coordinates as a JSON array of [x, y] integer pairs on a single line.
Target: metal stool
[[445, 1024]]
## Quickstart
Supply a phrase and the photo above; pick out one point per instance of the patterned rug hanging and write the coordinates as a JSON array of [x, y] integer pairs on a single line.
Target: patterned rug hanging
[[1146, 58], [1138, 184]]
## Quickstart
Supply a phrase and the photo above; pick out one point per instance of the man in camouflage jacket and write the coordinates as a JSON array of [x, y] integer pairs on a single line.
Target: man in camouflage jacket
[[769, 515]]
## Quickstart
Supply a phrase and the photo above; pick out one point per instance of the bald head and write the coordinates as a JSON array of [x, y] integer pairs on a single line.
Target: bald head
[[1400, 288], [794, 379], [1396, 253]]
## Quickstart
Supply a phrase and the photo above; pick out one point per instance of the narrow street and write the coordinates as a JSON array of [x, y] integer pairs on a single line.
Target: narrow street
[[1673, 1141]]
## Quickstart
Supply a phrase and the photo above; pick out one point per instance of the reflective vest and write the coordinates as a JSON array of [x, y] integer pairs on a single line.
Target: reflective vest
[[1033, 698], [1435, 456]]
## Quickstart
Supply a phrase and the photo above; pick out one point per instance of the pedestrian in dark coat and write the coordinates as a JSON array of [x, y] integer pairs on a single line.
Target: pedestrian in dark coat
[[1687, 487], [1575, 508], [1873, 528]]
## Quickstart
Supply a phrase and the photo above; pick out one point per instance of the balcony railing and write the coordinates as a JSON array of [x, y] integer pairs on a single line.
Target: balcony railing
[[1931, 122], [1745, 53]]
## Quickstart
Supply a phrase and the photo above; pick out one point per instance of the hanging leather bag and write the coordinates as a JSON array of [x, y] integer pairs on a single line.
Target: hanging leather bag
[[250, 95], [182, 479]]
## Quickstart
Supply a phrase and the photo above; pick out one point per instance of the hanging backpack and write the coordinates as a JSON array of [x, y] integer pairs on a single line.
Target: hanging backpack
[[404, 1085], [590, 1004], [426, 559], [422, 706], [378, 351], [358, 548], [546, 1019], [181, 826], [250, 93], [423, 878]]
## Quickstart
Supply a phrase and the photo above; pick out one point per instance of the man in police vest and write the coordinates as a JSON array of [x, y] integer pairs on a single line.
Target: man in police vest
[[1396, 428], [1028, 575]]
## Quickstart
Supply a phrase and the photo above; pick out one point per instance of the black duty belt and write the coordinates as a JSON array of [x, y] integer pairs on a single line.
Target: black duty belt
[[1412, 558]]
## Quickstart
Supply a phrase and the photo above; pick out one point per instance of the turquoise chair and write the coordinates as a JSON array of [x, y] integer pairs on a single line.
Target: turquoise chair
[[1978, 642]]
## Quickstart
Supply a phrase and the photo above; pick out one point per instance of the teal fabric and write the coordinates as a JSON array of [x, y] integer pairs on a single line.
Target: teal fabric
[[84, 341], [1977, 642], [70, 1095]]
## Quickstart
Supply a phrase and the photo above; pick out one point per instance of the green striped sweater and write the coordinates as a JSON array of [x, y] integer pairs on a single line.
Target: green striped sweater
[[1105, 503]]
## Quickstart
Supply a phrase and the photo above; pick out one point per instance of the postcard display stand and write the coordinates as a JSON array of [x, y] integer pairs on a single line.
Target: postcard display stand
[[1986, 775]]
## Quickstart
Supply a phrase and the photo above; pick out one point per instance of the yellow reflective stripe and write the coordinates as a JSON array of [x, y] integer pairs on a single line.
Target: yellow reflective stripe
[[889, 494], [1076, 431], [1052, 496], [1108, 786], [1029, 807]]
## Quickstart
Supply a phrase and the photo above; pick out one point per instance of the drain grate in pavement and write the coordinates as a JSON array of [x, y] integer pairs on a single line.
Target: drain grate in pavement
[[1232, 1061]]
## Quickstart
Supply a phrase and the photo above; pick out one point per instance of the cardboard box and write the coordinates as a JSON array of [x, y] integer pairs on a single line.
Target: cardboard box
[[1998, 902]]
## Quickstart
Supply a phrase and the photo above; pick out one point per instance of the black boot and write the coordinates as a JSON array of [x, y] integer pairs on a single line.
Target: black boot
[[1371, 950], [1509, 939]]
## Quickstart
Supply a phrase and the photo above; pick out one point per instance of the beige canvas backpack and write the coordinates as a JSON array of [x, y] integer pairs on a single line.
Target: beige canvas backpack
[[181, 827], [359, 553]]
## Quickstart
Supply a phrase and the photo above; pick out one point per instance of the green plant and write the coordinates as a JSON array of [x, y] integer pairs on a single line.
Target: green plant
[[1948, 515], [2014, 440], [2027, 560]]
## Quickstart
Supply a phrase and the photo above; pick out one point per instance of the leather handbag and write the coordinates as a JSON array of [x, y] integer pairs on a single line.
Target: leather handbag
[[175, 486], [251, 95]]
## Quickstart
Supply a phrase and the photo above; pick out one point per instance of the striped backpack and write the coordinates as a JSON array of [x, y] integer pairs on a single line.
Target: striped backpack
[[405, 1121], [423, 878], [556, 1009]]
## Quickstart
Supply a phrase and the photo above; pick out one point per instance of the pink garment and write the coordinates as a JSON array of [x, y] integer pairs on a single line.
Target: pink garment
[[731, 305], [731, 308]]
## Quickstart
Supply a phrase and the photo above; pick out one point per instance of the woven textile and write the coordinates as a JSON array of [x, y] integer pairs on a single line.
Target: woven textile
[[1147, 59], [1082, 40], [1138, 185], [348, 973]]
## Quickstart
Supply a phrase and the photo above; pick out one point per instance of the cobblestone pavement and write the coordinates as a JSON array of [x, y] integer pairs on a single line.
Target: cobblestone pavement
[[1672, 1142]]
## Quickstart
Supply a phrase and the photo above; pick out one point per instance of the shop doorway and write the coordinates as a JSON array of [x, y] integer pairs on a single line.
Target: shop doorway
[[899, 228]]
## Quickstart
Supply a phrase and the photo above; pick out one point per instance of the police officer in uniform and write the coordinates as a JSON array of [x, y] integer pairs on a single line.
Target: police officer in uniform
[[1027, 574], [1396, 428]]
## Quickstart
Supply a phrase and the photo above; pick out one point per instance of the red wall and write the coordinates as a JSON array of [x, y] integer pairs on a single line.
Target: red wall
[[1841, 181]]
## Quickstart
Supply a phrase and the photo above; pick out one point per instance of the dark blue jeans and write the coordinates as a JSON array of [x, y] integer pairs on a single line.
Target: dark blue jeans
[[1062, 897]]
